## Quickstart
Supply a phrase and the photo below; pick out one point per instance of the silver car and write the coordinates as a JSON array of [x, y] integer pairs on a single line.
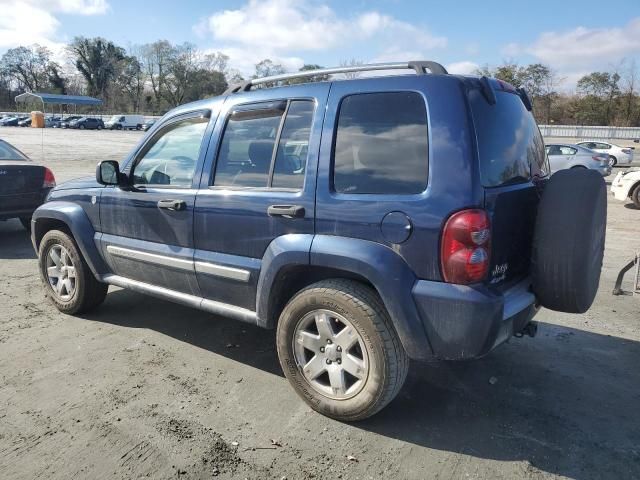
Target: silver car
[[562, 156]]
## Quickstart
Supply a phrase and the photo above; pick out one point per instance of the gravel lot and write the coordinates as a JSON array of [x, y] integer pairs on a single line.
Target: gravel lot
[[146, 388]]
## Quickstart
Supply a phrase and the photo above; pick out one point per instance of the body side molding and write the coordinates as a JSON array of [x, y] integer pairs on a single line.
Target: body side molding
[[211, 306]]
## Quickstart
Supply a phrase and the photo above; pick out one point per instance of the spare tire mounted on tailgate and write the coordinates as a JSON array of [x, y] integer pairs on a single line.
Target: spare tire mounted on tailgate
[[569, 240]]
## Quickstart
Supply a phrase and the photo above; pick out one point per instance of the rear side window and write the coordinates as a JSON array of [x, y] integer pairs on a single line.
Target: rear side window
[[510, 146], [381, 144], [246, 158]]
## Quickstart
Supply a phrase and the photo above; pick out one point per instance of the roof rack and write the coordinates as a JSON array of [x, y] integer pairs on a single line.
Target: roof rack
[[420, 67]]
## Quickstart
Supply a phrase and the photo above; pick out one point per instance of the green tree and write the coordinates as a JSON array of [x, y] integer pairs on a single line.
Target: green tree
[[99, 61], [599, 92]]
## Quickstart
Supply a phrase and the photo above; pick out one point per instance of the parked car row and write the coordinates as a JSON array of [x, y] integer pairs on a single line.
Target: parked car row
[[80, 122], [563, 156], [594, 155]]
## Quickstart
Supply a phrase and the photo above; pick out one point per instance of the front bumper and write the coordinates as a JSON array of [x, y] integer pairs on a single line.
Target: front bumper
[[620, 187], [464, 322]]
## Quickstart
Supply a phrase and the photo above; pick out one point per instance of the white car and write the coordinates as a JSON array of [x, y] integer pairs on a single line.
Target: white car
[[125, 122], [618, 155], [626, 186], [563, 156]]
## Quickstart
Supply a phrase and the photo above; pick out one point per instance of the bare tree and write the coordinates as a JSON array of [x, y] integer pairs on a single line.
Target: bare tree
[[351, 63]]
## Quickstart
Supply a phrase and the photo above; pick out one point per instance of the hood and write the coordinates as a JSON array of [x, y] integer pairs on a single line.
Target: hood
[[84, 182]]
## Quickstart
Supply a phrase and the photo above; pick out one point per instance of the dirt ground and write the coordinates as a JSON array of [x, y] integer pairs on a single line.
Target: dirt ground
[[143, 388]]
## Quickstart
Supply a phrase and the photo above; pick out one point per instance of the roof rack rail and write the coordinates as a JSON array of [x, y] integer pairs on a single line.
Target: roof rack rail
[[420, 67]]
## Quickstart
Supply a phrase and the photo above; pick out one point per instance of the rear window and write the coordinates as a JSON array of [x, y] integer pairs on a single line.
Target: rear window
[[510, 146], [7, 152], [381, 144]]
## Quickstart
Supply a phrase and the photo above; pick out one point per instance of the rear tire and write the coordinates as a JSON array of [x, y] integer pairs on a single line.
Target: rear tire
[[68, 280], [569, 240], [360, 339], [614, 160]]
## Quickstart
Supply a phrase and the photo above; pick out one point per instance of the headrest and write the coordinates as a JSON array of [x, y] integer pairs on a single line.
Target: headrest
[[260, 154]]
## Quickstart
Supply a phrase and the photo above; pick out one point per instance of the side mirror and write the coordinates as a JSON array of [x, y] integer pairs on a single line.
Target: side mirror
[[108, 173]]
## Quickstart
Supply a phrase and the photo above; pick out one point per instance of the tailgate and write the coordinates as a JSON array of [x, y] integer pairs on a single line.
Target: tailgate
[[511, 157]]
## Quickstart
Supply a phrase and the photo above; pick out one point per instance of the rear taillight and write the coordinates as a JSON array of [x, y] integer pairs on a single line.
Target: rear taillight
[[626, 150], [465, 248], [49, 179]]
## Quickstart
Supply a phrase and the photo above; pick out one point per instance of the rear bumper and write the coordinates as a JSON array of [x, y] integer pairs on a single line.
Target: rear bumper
[[20, 204], [464, 322]]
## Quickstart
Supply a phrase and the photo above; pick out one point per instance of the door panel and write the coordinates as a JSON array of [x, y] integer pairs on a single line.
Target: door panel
[[148, 226], [232, 229]]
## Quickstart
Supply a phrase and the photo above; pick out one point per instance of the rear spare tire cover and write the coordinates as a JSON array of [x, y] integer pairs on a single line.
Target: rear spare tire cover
[[569, 240]]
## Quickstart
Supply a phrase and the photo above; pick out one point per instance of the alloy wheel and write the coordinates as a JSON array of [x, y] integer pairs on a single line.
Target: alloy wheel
[[61, 272], [331, 354]]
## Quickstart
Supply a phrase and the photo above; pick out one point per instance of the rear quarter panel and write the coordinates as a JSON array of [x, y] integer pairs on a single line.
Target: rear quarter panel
[[452, 170]]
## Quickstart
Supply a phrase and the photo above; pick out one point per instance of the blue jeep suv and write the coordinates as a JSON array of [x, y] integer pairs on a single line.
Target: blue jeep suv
[[370, 220]]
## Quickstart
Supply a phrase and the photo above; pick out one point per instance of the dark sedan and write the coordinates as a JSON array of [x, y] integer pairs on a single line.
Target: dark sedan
[[23, 184], [87, 123], [147, 125], [66, 122], [11, 121]]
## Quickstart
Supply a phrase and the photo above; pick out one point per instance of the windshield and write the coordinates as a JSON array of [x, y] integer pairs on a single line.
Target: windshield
[[7, 152], [510, 146], [115, 118]]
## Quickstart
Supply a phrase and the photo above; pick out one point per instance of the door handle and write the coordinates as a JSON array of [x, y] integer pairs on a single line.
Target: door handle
[[173, 205], [286, 211]]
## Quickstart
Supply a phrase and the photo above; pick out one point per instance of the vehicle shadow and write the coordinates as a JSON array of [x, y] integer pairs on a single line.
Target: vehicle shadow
[[565, 402], [238, 341], [15, 243], [631, 206]]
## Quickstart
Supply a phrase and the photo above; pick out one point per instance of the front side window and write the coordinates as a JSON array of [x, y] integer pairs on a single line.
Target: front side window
[[246, 157], [172, 155], [381, 144]]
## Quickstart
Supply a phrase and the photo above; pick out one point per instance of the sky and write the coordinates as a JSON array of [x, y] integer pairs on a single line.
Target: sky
[[574, 37]]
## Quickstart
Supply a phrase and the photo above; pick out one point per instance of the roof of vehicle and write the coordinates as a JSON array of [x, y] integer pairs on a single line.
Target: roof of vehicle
[[597, 141], [488, 86]]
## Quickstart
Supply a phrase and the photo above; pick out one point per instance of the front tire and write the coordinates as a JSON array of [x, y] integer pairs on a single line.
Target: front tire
[[635, 196], [68, 281], [339, 350]]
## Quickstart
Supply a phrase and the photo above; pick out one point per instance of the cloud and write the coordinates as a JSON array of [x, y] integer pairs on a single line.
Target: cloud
[[34, 21], [583, 48], [283, 29], [463, 68]]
